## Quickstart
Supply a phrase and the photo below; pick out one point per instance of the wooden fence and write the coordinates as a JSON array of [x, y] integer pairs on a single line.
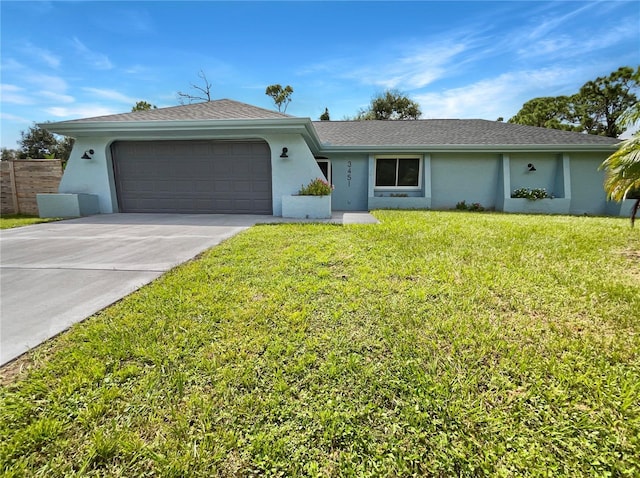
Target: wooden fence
[[21, 180]]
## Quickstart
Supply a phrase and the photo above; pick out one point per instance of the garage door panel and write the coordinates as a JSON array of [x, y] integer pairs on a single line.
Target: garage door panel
[[221, 148], [244, 204], [241, 186], [193, 176], [260, 170], [223, 187], [202, 186], [262, 187], [220, 169]]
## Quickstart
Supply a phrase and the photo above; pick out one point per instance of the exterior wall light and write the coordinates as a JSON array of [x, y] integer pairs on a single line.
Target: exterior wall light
[[284, 153], [87, 154], [531, 167]]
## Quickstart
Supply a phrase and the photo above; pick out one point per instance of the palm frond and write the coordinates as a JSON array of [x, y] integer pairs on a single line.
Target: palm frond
[[623, 170]]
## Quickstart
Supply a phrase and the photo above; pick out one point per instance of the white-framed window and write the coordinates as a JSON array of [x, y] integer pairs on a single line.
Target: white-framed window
[[399, 172], [325, 167]]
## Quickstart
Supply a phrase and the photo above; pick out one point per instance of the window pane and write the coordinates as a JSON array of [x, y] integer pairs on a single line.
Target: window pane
[[408, 172], [385, 172], [324, 167]]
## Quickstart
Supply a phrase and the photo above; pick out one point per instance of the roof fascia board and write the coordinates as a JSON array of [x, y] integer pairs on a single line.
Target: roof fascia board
[[311, 137], [440, 148], [87, 128]]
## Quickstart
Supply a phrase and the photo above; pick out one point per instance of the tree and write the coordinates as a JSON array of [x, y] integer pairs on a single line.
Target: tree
[[390, 105], [622, 178], [325, 116], [281, 96], [9, 154], [203, 92], [36, 143], [601, 103], [39, 143], [595, 109], [546, 112], [143, 106], [65, 145]]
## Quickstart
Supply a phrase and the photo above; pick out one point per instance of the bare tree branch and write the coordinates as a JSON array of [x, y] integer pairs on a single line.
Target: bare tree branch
[[204, 95]]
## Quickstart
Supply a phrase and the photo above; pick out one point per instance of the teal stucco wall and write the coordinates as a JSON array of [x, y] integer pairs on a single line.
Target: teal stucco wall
[[470, 177], [490, 178], [349, 175], [548, 169], [587, 189]]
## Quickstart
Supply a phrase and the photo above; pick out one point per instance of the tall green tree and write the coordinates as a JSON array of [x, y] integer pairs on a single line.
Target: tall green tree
[[281, 96], [546, 112], [622, 178], [600, 103], [37, 143], [143, 106], [63, 151], [390, 105], [595, 109]]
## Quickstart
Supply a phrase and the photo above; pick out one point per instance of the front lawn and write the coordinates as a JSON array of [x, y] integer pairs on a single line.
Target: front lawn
[[19, 220], [432, 344]]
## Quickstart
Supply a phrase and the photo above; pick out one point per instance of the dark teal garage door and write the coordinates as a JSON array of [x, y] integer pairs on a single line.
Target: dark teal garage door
[[213, 177]]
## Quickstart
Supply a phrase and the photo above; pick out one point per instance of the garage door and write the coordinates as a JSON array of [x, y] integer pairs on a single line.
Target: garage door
[[214, 177]]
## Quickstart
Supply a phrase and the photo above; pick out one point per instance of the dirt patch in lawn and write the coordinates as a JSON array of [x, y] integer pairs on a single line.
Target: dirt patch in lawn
[[10, 372]]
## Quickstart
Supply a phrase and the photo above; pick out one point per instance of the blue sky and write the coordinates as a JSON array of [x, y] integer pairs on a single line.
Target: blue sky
[[64, 60]]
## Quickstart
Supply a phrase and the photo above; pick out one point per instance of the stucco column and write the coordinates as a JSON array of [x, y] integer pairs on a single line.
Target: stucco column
[[504, 182]]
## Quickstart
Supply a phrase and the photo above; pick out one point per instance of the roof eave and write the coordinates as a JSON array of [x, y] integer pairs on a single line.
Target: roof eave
[[436, 148], [92, 128], [229, 128], [303, 126]]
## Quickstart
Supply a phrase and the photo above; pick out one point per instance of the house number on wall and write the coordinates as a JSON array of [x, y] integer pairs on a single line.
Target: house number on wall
[[349, 173]]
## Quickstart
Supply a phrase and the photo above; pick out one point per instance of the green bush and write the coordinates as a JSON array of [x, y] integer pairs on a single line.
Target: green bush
[[317, 187], [532, 194], [463, 206]]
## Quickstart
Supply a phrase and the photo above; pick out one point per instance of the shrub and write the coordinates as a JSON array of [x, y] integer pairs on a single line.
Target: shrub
[[532, 194], [317, 187], [463, 206]]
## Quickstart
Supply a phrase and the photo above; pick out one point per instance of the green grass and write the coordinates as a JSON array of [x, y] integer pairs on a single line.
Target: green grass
[[19, 220], [432, 344]]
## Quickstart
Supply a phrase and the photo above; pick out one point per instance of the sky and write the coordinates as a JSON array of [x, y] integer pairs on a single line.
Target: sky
[[63, 60]]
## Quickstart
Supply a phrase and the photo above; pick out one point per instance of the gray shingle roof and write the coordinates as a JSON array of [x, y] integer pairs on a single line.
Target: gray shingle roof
[[446, 132], [211, 110]]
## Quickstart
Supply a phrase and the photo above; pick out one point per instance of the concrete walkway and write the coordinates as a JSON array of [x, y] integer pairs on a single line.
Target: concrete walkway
[[56, 274]]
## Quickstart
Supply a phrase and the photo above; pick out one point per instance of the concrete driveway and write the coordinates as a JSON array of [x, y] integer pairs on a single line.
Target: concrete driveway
[[56, 274]]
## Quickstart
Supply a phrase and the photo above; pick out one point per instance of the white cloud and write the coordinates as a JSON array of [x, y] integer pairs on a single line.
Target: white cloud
[[43, 54], [135, 69], [14, 118], [556, 47], [562, 46], [56, 97], [10, 64], [47, 82], [489, 98], [416, 69], [80, 111], [110, 95], [98, 60], [554, 21], [15, 95]]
